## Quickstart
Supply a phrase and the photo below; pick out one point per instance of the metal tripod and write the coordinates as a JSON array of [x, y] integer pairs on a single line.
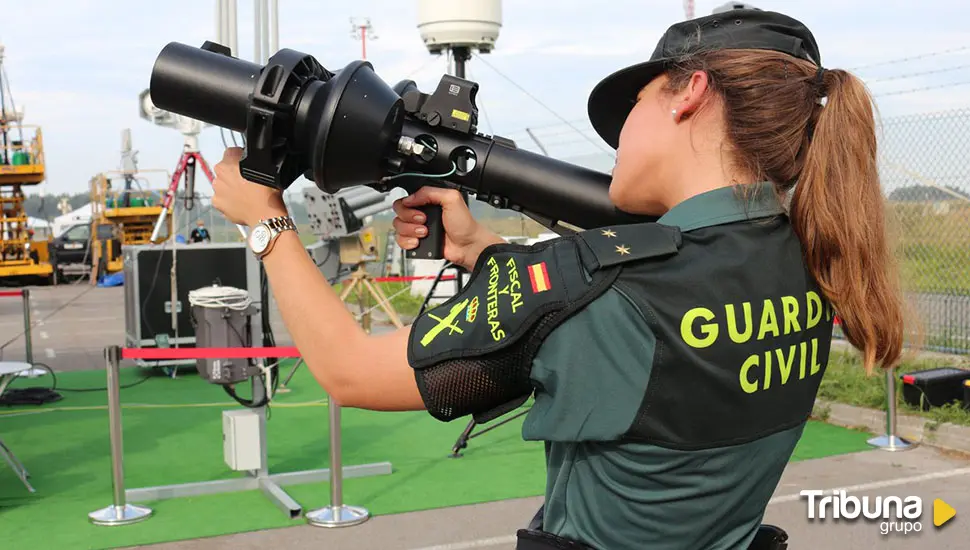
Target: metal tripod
[[467, 434], [185, 167]]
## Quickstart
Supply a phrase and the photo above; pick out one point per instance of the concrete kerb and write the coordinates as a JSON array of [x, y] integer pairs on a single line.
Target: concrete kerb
[[915, 428]]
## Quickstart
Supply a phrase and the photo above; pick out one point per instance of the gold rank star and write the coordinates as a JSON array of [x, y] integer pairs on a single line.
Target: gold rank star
[[621, 250], [608, 233]]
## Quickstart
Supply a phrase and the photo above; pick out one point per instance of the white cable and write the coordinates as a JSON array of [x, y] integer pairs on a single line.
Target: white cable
[[267, 377], [216, 296]]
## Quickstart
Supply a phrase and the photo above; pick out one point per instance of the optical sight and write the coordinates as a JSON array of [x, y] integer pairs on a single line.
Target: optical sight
[[348, 127]]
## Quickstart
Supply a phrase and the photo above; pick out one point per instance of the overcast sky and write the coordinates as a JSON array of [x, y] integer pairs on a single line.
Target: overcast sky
[[77, 66]]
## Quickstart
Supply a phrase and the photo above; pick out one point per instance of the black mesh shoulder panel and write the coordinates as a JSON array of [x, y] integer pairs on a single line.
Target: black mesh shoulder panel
[[473, 353]]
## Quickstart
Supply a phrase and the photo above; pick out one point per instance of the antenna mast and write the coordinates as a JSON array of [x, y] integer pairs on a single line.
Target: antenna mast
[[361, 29]]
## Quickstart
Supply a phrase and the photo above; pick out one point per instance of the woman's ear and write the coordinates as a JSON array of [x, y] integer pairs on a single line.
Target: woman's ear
[[690, 99]]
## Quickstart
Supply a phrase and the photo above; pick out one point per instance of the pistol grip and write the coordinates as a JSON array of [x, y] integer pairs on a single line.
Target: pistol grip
[[432, 245]]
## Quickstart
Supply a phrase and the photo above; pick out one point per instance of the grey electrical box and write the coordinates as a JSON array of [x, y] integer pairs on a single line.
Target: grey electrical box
[[223, 327]]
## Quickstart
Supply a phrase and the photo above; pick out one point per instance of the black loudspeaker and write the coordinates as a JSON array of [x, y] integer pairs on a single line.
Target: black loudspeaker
[[148, 290]]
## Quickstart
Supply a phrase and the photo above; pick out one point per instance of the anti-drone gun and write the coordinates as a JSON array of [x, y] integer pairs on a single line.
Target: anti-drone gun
[[349, 128]]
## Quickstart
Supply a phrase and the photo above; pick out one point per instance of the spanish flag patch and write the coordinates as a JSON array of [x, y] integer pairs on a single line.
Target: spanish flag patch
[[539, 277]]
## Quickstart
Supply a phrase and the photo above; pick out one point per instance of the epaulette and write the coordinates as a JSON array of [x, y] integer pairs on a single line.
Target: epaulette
[[627, 243]]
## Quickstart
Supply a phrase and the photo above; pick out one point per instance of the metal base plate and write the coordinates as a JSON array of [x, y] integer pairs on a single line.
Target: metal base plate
[[32, 373], [892, 443], [337, 516], [120, 515]]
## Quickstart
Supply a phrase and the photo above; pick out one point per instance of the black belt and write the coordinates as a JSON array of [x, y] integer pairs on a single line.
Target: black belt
[[534, 538]]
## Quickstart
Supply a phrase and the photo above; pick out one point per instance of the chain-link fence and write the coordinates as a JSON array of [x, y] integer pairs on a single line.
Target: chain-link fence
[[925, 172]]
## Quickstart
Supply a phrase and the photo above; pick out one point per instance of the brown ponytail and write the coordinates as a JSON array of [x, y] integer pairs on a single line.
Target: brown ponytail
[[784, 132], [838, 212]]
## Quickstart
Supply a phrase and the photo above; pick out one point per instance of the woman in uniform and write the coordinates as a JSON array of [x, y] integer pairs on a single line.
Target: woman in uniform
[[674, 364]]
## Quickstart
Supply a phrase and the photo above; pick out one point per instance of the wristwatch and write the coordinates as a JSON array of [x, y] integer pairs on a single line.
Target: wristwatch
[[264, 234]]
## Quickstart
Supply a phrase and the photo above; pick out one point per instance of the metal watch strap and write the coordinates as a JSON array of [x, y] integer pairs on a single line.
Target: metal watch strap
[[280, 224], [277, 226]]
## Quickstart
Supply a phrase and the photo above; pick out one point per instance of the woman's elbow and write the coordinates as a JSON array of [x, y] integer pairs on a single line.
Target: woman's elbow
[[378, 392], [347, 386], [351, 397], [337, 383], [349, 393]]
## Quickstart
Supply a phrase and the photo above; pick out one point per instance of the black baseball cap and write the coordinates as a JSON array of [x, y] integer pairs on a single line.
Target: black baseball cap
[[749, 28]]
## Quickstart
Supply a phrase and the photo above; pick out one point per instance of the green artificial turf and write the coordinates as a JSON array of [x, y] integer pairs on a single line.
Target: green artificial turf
[[173, 434]]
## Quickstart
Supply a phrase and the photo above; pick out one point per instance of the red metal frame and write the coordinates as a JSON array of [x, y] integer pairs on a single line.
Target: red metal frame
[[186, 162]]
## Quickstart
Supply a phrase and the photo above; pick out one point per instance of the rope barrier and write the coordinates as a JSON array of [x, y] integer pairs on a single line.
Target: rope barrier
[[211, 353], [11, 293]]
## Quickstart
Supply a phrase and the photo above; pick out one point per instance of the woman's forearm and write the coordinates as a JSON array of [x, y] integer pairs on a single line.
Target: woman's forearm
[[356, 369]]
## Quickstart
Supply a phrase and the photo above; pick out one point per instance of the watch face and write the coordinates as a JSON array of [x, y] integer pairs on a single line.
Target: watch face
[[259, 238]]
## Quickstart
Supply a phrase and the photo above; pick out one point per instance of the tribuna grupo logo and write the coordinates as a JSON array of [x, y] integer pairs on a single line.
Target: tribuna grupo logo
[[902, 515]]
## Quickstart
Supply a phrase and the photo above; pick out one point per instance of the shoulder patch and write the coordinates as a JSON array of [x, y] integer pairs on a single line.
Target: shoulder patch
[[510, 289], [628, 243]]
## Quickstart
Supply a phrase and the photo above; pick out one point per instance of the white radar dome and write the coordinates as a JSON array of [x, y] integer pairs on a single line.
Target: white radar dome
[[459, 23]]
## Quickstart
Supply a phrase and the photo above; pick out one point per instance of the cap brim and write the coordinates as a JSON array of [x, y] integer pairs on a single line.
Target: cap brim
[[613, 98]]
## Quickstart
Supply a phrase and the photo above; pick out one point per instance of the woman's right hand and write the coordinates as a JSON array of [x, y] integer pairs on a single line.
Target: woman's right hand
[[465, 238]]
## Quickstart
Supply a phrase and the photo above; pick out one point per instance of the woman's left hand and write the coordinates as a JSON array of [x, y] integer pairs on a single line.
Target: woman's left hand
[[240, 200]]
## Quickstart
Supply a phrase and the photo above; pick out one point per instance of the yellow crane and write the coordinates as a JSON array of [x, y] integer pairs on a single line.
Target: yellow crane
[[124, 211], [21, 167]]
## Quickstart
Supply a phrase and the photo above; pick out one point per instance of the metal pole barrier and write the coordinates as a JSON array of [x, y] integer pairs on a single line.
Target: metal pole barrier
[[337, 514], [890, 441], [28, 342], [28, 346], [119, 513]]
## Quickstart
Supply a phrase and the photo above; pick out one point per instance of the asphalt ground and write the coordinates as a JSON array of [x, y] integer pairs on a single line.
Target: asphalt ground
[[73, 323], [922, 472]]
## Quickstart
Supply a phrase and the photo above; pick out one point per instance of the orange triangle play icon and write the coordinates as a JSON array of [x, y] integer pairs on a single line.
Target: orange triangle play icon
[[942, 512]]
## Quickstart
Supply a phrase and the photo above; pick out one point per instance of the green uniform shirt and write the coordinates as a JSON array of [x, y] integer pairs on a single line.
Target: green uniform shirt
[[591, 375]]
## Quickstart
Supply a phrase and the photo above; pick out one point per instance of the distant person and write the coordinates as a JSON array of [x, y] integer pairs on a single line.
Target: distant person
[[200, 233]]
